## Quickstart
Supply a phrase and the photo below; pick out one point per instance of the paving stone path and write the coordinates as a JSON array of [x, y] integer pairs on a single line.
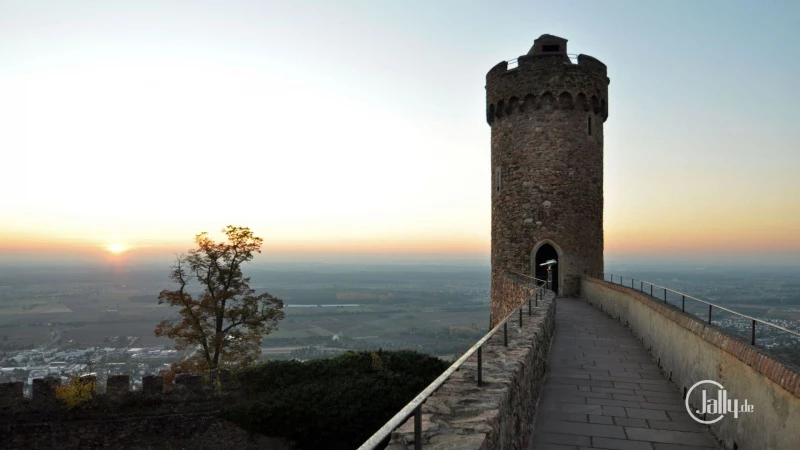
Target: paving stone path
[[603, 390]]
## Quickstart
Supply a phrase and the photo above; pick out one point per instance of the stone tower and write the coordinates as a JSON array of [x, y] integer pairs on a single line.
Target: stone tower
[[547, 117]]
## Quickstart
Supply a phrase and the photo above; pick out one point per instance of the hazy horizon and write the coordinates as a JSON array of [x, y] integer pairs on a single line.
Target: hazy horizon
[[430, 259]]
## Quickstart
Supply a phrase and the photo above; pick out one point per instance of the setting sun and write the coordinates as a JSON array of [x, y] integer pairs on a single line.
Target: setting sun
[[116, 248]]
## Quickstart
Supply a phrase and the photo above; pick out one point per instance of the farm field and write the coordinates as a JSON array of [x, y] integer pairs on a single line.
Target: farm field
[[423, 310]]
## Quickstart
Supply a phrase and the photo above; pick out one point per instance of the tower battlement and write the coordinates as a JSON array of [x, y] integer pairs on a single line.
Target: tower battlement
[[547, 78], [586, 63]]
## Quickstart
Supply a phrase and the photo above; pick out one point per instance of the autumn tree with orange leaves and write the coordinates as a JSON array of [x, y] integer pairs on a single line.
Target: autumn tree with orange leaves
[[225, 323]]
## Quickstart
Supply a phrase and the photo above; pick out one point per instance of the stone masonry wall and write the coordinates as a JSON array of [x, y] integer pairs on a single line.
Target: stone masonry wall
[[507, 292], [547, 167], [500, 413], [183, 417], [690, 350]]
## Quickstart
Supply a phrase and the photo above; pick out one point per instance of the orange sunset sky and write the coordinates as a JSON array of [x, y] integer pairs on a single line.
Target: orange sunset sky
[[360, 128]]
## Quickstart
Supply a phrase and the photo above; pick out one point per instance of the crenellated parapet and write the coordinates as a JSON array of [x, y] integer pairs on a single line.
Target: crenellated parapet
[[546, 78], [191, 393], [542, 83], [183, 415]]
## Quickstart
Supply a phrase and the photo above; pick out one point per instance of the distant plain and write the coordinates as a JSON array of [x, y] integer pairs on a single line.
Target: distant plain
[[436, 308]]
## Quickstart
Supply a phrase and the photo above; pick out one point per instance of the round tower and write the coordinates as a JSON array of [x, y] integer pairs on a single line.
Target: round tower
[[547, 116]]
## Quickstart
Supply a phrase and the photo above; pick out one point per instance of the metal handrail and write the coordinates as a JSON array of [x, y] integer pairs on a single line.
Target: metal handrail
[[515, 61], [415, 406], [527, 276], [710, 305]]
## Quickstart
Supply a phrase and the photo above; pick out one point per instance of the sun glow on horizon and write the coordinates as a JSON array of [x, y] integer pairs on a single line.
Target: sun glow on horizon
[[116, 248], [98, 124]]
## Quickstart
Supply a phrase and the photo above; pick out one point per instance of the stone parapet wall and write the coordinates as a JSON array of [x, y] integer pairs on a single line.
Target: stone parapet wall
[[202, 430], [183, 416], [190, 393], [506, 294], [689, 350], [500, 413]]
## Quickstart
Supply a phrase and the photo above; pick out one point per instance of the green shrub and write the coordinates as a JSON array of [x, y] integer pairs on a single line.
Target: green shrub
[[332, 403]]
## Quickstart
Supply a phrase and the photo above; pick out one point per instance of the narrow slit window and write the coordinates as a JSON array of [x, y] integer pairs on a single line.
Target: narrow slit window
[[497, 180], [590, 125]]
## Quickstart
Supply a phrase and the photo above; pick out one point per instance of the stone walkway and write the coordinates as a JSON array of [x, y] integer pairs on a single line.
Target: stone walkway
[[603, 390]]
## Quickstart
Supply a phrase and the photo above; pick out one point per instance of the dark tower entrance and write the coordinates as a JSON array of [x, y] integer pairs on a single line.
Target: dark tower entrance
[[545, 253]]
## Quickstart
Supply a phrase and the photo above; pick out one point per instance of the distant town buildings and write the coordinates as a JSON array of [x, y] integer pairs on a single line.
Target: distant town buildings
[[49, 361]]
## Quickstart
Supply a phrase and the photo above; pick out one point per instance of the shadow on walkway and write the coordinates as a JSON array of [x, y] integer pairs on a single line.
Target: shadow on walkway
[[603, 390]]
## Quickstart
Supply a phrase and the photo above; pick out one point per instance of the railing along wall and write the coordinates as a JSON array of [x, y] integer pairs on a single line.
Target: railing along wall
[[655, 291], [700, 343], [514, 63], [414, 407]]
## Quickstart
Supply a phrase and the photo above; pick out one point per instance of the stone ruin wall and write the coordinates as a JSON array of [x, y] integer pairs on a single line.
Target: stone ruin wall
[[185, 416]]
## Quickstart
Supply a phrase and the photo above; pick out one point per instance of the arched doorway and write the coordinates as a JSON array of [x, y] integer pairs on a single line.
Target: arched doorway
[[546, 252]]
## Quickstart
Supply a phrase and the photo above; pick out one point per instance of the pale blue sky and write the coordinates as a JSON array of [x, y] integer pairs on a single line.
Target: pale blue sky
[[363, 122]]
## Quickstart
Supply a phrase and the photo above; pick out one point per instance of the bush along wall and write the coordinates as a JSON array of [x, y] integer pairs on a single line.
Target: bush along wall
[[335, 403]]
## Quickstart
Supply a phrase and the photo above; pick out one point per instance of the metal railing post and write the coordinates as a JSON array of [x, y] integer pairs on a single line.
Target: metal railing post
[[505, 334], [529, 305], [480, 364], [683, 303], [709, 314], [418, 428], [665, 295], [753, 334], [520, 317], [641, 286], [651, 290], [631, 283]]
